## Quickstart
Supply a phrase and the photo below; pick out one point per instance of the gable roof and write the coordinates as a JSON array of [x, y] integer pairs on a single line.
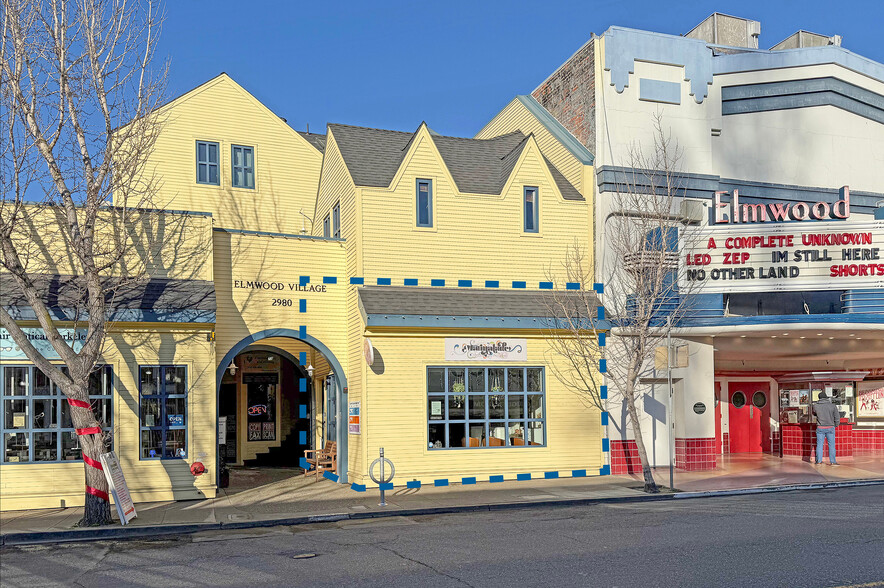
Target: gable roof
[[478, 166], [317, 141]]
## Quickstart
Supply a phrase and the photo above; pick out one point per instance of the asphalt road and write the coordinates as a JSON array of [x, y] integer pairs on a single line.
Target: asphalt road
[[809, 538]]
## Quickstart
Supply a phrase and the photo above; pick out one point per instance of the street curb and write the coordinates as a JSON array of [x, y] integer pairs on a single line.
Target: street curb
[[159, 531]]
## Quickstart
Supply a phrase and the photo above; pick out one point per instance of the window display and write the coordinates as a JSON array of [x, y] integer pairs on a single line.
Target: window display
[[163, 395], [485, 407], [797, 398]]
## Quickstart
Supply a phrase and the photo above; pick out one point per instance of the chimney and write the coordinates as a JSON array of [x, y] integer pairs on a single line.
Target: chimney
[[730, 31]]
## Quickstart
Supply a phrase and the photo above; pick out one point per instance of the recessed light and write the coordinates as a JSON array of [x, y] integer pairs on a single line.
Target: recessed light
[[859, 338], [802, 337], [773, 336], [785, 334], [852, 335], [819, 334], [830, 338], [742, 336]]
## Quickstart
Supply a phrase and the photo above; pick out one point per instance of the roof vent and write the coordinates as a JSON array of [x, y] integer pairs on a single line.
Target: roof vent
[[731, 31], [803, 39]]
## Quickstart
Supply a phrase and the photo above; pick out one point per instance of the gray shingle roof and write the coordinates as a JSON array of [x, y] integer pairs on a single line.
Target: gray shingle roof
[[478, 166], [142, 299], [393, 300], [317, 141]]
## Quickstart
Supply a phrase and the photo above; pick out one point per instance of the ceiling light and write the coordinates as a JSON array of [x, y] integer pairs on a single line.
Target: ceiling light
[[785, 334], [830, 338], [742, 336], [819, 334], [802, 337], [773, 336]]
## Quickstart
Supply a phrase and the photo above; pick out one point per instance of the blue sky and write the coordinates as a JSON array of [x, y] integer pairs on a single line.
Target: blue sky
[[453, 64]]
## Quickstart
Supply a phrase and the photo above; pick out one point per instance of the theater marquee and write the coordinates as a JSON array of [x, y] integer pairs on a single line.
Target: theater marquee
[[790, 256]]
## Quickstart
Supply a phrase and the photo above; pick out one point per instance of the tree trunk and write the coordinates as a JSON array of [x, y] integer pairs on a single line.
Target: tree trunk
[[650, 484], [96, 511]]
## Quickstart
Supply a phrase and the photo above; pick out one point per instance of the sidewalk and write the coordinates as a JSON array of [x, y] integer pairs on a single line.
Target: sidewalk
[[282, 496]]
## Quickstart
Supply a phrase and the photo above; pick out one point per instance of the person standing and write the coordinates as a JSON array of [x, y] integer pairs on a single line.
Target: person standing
[[827, 419]]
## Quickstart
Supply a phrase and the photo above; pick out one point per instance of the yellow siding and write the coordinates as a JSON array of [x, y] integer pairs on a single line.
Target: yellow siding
[[396, 416], [475, 236], [286, 165], [155, 244], [53, 485], [516, 117], [245, 311]]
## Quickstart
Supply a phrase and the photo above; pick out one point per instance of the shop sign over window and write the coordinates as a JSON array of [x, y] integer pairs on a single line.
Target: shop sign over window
[[464, 348], [794, 256], [9, 350]]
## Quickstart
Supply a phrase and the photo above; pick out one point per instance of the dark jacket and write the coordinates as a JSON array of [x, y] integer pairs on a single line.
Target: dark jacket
[[827, 414]]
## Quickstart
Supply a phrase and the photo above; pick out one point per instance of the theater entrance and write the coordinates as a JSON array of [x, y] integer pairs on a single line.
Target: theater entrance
[[749, 417]]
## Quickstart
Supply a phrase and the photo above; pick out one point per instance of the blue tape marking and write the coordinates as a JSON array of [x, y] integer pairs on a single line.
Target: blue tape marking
[[495, 479], [601, 313], [578, 473], [546, 285], [304, 463], [302, 414], [413, 484], [329, 280], [385, 486], [603, 392], [523, 477], [437, 282], [302, 331], [601, 339], [440, 482], [302, 437], [599, 288], [467, 481], [492, 284], [605, 470], [410, 282], [550, 475], [384, 281], [465, 283], [606, 445], [302, 305], [305, 280], [357, 487], [330, 476], [572, 286], [357, 280], [604, 418], [520, 284], [603, 366], [302, 384], [302, 358]]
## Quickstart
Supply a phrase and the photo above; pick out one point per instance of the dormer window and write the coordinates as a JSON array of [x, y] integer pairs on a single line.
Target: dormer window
[[424, 199]]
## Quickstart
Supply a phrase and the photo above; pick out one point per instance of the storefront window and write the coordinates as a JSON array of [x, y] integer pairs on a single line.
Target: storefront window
[[797, 398], [163, 409], [35, 417], [485, 407]]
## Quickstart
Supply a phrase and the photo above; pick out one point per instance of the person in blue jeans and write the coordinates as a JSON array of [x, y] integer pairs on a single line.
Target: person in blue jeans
[[827, 419]]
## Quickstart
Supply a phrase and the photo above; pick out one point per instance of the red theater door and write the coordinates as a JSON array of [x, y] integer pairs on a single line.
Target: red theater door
[[749, 417]]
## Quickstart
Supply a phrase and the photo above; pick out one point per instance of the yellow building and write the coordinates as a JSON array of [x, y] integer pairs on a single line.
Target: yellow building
[[369, 288]]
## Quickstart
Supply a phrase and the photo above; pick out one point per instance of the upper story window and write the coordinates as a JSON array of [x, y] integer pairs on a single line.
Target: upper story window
[[35, 416], [336, 221], [326, 226], [207, 163], [530, 205], [243, 166], [163, 395], [424, 199]]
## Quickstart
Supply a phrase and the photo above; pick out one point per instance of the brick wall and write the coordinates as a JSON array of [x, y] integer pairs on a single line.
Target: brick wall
[[569, 95]]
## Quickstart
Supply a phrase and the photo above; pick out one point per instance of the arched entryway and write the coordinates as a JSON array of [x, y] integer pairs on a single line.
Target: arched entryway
[[338, 384]]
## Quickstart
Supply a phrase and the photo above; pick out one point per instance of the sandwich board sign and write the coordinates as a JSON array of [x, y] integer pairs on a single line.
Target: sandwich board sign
[[117, 485]]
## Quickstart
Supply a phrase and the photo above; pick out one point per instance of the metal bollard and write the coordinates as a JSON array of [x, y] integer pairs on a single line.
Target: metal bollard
[[383, 478]]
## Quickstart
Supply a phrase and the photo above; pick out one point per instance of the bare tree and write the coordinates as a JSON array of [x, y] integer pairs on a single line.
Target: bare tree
[[643, 300], [78, 105]]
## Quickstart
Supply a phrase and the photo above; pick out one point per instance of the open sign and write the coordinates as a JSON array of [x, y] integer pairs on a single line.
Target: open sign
[[258, 409]]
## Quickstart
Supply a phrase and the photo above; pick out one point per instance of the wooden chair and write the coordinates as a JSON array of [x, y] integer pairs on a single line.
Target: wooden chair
[[517, 441], [495, 442], [321, 460], [474, 442]]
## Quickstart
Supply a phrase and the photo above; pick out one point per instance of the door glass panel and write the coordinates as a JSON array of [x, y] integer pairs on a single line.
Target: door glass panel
[[759, 399], [738, 400]]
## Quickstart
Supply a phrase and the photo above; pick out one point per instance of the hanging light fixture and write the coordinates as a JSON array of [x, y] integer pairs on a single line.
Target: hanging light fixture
[[232, 368], [310, 371]]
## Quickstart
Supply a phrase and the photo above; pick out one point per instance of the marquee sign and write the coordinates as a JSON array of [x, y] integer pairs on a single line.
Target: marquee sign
[[791, 256], [734, 212]]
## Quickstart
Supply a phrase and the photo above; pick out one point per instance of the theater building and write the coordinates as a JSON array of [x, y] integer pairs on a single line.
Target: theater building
[[364, 288], [781, 177]]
